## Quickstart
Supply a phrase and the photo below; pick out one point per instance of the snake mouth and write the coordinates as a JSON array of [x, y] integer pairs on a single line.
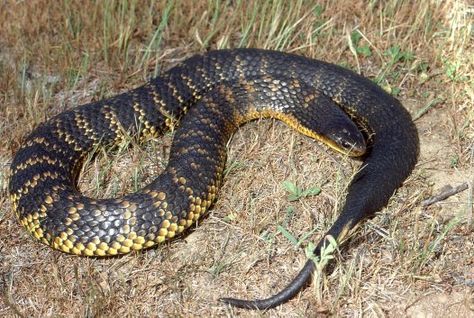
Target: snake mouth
[[352, 148]]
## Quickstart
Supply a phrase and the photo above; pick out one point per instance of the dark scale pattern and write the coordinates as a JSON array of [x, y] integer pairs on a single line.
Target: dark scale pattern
[[209, 95]]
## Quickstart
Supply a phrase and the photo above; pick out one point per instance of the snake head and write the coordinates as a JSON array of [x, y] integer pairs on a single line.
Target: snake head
[[347, 139]]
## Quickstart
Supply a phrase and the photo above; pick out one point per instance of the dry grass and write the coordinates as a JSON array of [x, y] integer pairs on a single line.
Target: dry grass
[[408, 261]]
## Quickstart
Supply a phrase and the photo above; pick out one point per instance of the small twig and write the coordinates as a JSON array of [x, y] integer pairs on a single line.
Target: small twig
[[426, 108], [470, 206], [6, 279], [445, 193]]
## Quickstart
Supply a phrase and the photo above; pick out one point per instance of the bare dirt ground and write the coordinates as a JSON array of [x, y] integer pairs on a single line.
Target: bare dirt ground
[[410, 260]]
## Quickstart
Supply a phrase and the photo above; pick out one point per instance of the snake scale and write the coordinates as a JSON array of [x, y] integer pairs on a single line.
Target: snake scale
[[209, 95]]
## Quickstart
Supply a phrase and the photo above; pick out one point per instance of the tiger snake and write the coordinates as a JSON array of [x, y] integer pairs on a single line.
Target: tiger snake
[[209, 95]]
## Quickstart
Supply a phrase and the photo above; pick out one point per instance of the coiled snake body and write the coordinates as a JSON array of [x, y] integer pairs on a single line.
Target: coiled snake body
[[216, 91]]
